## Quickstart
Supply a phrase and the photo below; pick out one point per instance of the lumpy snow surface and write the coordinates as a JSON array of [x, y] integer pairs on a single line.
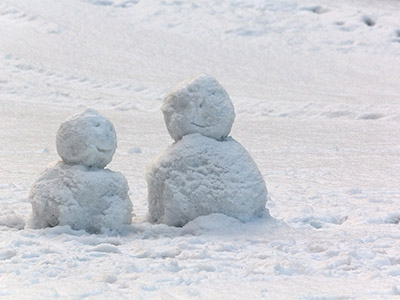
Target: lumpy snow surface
[[198, 105], [198, 176], [83, 198], [88, 139]]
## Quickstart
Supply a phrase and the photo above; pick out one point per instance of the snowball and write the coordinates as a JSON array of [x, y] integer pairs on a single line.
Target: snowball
[[198, 176], [199, 105], [84, 198], [88, 139]]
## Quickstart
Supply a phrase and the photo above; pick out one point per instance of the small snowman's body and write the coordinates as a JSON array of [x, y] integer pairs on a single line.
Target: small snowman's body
[[205, 171], [77, 191]]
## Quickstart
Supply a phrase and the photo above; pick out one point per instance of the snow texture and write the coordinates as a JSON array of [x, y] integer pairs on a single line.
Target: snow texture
[[91, 199], [316, 93], [88, 139], [198, 176], [198, 105], [12, 221]]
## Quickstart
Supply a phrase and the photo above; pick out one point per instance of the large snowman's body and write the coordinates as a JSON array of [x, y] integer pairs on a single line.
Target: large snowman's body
[[77, 191], [204, 171], [198, 176]]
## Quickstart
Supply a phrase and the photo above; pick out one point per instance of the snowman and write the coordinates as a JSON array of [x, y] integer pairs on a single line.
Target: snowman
[[78, 191], [204, 171]]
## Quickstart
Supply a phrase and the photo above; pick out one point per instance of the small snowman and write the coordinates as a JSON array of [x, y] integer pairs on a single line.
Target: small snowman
[[78, 191], [204, 171]]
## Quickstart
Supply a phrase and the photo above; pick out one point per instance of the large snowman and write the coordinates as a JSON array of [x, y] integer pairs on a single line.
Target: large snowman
[[204, 171], [78, 191]]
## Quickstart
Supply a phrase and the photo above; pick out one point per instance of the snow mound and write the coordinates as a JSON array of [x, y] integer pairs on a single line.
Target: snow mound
[[198, 105], [84, 198], [212, 222], [88, 139], [198, 176], [12, 221]]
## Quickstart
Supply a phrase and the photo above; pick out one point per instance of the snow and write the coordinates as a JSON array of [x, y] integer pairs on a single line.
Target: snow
[[87, 139], [91, 199], [198, 105], [315, 87], [198, 176]]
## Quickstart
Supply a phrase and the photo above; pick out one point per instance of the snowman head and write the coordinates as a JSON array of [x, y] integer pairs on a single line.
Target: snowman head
[[198, 105], [87, 139]]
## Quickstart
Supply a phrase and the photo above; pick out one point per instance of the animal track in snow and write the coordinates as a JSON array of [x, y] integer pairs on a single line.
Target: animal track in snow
[[38, 83], [14, 14]]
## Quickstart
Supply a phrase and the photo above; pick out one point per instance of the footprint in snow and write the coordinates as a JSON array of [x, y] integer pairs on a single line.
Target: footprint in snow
[[316, 9], [368, 21], [397, 35], [123, 3], [370, 116]]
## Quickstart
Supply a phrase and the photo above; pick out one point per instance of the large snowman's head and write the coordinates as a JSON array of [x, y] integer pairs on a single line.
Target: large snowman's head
[[198, 105], [87, 139]]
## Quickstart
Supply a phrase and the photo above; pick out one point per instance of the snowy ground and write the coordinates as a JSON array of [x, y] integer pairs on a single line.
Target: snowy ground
[[316, 89]]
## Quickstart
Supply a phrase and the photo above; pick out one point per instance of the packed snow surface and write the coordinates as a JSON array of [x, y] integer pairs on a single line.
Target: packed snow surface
[[198, 105], [91, 199], [198, 176], [315, 85], [88, 139]]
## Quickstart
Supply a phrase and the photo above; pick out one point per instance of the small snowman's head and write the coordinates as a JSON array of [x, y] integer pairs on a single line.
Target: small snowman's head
[[87, 139], [198, 105]]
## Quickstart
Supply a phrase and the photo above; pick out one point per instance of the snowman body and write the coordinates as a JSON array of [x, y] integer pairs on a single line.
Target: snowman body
[[78, 191], [204, 171]]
